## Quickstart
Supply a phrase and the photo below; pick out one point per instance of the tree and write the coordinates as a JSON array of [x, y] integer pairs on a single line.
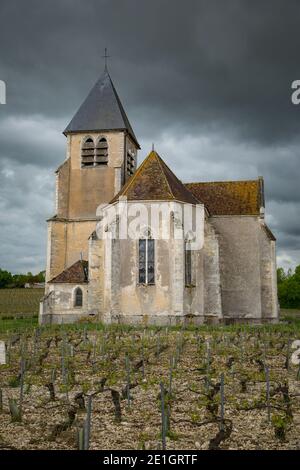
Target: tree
[[19, 280], [289, 288], [281, 276], [5, 278]]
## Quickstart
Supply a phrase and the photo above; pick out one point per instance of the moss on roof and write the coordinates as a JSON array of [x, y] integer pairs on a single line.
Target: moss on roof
[[75, 274], [230, 197], [154, 180]]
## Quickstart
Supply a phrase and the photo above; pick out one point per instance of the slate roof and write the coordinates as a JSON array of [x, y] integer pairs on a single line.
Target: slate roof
[[154, 180], [230, 197], [75, 274], [101, 110]]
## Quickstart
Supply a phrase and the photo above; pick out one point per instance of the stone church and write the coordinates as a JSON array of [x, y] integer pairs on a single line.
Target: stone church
[[92, 271]]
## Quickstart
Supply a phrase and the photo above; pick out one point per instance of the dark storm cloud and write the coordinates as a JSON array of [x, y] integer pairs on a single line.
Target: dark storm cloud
[[208, 81], [199, 63]]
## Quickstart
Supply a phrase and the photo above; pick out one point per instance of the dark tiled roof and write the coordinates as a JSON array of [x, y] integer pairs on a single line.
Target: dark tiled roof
[[75, 274], [230, 197], [154, 180], [101, 110]]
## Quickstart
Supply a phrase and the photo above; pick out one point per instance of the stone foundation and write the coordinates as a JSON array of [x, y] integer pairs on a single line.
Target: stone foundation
[[156, 320], [56, 319]]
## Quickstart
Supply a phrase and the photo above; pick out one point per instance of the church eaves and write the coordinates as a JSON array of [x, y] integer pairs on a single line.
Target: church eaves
[[102, 110], [154, 180]]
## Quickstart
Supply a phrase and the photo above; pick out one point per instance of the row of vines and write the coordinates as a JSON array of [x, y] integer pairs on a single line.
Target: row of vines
[[84, 387]]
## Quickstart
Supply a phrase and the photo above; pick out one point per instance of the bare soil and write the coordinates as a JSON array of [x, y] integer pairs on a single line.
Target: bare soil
[[80, 362]]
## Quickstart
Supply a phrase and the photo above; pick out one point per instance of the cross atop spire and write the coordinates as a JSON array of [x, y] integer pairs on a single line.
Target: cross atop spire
[[105, 57]]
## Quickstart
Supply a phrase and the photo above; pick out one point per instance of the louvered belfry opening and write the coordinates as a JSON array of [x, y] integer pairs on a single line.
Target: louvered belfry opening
[[92, 155], [101, 157], [88, 152], [130, 164]]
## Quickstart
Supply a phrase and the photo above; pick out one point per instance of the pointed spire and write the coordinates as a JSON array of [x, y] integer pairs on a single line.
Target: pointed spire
[[102, 110]]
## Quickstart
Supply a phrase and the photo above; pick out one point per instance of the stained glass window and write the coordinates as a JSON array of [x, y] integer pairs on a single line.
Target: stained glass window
[[142, 261], [146, 261], [78, 297], [150, 259], [188, 265]]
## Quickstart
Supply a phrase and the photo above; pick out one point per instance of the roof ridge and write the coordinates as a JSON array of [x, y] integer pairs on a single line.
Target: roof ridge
[[161, 162], [122, 110], [128, 183], [223, 181], [154, 180]]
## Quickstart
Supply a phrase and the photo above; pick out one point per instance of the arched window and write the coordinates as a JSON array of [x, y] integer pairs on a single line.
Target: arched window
[[78, 297], [88, 152], [101, 152], [146, 260]]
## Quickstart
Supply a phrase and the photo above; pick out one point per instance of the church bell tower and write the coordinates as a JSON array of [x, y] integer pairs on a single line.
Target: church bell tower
[[101, 155]]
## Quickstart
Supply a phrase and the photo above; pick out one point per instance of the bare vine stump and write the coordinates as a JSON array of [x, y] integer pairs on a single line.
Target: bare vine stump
[[116, 401], [51, 389]]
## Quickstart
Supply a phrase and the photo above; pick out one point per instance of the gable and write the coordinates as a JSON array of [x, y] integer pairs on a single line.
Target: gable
[[155, 181]]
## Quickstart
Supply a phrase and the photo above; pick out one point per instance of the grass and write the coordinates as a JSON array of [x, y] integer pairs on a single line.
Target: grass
[[290, 323], [18, 324]]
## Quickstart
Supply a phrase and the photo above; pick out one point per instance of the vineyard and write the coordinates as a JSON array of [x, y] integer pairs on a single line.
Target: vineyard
[[94, 387], [19, 302]]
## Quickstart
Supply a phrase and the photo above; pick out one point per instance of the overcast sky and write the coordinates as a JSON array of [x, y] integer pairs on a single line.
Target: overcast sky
[[208, 81]]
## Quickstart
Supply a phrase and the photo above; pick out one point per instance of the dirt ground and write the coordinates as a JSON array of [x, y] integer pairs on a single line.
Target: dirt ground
[[78, 362]]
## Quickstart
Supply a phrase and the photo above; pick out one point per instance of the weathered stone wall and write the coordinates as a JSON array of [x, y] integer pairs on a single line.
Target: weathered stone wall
[[268, 275], [58, 305], [66, 240], [96, 276], [90, 186], [166, 302], [193, 295], [56, 250], [77, 239], [239, 266], [62, 189], [211, 276], [247, 268], [135, 300], [79, 192]]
